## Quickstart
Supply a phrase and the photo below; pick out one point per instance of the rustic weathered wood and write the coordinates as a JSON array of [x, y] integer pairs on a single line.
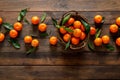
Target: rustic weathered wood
[[53, 62], [109, 15], [58, 72], [47, 58], [60, 5]]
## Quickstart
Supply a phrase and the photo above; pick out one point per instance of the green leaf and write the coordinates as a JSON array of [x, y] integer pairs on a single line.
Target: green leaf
[[34, 36], [54, 22], [26, 21], [43, 17], [67, 45], [87, 26], [19, 18], [103, 19], [91, 46], [8, 26], [65, 19], [58, 26], [109, 47], [22, 14], [31, 50], [68, 29], [14, 42], [44, 34], [98, 33]]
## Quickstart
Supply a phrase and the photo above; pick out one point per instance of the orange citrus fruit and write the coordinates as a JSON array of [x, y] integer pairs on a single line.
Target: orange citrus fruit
[[82, 28], [27, 39], [66, 37], [113, 28], [98, 19], [118, 21], [53, 40], [62, 30], [42, 27], [77, 32], [71, 21], [98, 41], [83, 35], [35, 43], [72, 28], [75, 41], [118, 41], [1, 20], [77, 24], [2, 37], [18, 26], [13, 33], [92, 31], [105, 39], [35, 20]]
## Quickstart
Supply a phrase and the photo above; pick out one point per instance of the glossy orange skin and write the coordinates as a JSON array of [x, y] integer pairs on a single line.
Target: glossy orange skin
[[77, 24], [42, 27], [98, 42], [66, 37], [53, 40], [70, 21], [1, 20], [83, 36], [2, 37], [118, 41], [35, 20], [62, 30], [105, 39], [75, 41], [18, 26], [98, 19], [92, 31], [35, 43], [113, 28], [13, 33], [77, 32], [118, 21], [27, 39]]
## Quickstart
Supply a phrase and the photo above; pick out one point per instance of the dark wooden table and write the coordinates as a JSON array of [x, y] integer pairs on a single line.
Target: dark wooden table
[[51, 62]]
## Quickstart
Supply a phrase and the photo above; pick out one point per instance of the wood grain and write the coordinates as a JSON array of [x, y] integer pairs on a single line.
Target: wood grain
[[53, 62], [60, 5], [58, 72]]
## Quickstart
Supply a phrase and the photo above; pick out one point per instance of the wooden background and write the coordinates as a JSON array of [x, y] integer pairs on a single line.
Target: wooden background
[[53, 62]]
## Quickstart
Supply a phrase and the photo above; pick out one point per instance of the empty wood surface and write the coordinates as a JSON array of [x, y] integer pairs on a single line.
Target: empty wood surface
[[53, 62]]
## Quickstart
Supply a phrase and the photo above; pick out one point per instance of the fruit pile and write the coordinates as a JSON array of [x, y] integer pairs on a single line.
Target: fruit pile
[[73, 30]]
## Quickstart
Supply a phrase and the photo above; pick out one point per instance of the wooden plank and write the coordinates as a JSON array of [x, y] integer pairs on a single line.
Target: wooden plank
[[49, 55], [59, 58], [60, 5], [58, 72], [109, 16], [44, 42]]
